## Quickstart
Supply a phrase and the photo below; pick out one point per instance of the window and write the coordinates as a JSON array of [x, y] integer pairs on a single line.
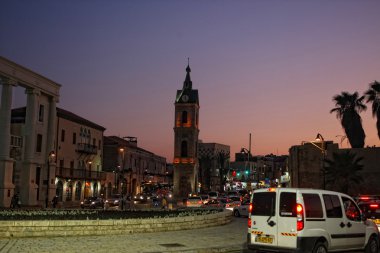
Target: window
[[351, 210], [288, 204], [264, 204], [41, 113], [333, 206], [313, 205], [94, 142], [100, 145], [74, 138], [39, 143], [62, 135], [184, 149], [184, 117]]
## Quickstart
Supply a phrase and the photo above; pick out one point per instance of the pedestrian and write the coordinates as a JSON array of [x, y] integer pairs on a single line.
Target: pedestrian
[[54, 201], [15, 201]]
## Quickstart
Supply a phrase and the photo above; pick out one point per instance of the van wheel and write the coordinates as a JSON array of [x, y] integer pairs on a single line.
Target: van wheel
[[372, 245], [236, 213], [320, 247]]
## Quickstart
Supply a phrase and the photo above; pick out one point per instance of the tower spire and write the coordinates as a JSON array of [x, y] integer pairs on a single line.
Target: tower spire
[[187, 84]]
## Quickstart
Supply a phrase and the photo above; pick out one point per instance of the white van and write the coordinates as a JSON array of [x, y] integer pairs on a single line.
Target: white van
[[308, 220]]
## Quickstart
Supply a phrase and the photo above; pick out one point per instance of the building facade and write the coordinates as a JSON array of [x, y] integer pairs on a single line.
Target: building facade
[[132, 166], [214, 163], [186, 131], [24, 154], [77, 158]]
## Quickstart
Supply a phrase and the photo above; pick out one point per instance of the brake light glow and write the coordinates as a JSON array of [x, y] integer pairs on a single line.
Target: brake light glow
[[249, 222], [375, 206], [250, 207], [364, 198], [272, 189], [300, 218]]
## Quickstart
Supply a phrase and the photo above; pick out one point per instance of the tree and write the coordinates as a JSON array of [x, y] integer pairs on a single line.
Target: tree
[[342, 173], [204, 172], [348, 107], [222, 159], [373, 96]]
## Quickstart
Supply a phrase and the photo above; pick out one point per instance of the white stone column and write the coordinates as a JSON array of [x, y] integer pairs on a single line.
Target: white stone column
[[50, 146], [28, 191], [5, 116], [6, 163], [30, 123]]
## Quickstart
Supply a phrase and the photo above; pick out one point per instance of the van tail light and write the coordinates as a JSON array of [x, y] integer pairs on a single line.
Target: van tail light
[[249, 222], [250, 207], [300, 218], [200, 202], [187, 203], [374, 206]]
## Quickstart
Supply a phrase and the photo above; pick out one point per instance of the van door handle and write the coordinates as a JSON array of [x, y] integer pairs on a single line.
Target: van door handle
[[349, 224], [271, 223], [342, 225]]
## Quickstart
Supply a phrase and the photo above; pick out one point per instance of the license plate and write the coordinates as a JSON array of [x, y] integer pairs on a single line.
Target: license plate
[[264, 239]]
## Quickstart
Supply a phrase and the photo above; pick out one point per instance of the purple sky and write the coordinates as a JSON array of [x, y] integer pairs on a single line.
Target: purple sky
[[269, 68]]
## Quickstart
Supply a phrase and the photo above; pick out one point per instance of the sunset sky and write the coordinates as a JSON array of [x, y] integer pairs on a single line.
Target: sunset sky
[[269, 68]]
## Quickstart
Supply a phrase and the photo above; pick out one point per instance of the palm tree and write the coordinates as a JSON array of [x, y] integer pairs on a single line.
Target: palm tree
[[222, 160], [342, 173], [348, 107], [373, 96]]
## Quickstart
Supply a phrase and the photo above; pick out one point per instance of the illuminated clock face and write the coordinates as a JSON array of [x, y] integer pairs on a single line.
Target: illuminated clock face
[[185, 98]]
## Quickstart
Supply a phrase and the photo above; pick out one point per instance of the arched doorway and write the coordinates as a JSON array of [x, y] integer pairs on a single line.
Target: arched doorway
[[59, 191], [69, 191]]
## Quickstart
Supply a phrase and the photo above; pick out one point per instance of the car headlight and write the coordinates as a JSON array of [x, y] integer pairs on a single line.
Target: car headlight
[[107, 201], [93, 203], [81, 202]]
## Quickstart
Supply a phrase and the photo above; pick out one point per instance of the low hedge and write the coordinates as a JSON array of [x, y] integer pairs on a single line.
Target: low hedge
[[78, 214]]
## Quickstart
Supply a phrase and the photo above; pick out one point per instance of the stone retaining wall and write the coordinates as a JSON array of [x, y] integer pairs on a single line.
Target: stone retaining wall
[[100, 227]]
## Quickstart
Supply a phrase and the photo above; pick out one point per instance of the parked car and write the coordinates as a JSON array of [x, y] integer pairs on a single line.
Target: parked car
[[92, 202], [213, 195], [205, 198], [230, 203], [308, 220], [113, 200], [214, 203], [371, 210], [242, 209], [194, 201]]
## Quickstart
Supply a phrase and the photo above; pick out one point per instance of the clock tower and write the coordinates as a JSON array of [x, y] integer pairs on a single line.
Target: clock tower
[[186, 130]]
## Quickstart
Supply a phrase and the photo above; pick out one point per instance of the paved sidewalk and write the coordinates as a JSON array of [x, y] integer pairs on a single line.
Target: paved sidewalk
[[227, 238]]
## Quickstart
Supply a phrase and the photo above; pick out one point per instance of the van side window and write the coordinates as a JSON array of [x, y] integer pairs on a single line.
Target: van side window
[[264, 203], [351, 210], [288, 204], [333, 206], [313, 205]]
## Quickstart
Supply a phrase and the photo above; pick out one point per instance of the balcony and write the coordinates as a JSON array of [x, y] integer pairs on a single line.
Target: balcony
[[84, 174], [87, 148]]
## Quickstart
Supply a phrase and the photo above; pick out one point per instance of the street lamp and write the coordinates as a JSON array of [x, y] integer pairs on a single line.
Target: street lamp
[[322, 148], [49, 160], [122, 152]]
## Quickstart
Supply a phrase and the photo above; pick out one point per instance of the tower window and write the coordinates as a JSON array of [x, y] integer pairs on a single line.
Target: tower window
[[39, 143], [184, 117], [41, 113], [184, 149]]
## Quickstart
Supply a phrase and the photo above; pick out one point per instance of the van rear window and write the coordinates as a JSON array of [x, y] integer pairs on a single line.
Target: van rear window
[[264, 204], [288, 204], [313, 205]]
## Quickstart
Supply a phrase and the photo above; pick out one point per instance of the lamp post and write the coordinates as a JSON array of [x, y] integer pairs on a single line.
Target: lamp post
[[322, 148], [50, 159], [121, 174], [248, 152]]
